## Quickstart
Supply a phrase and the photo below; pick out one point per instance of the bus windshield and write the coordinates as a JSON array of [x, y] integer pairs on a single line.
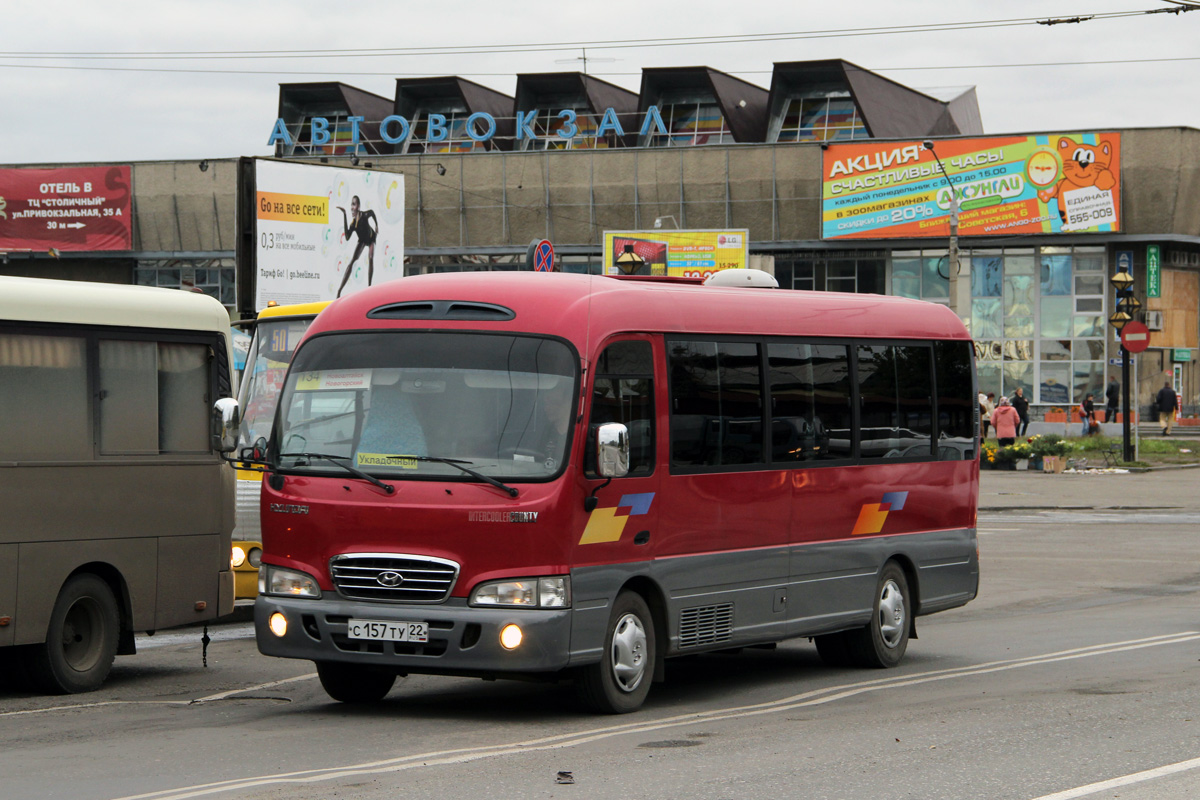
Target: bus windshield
[[402, 404], [266, 364]]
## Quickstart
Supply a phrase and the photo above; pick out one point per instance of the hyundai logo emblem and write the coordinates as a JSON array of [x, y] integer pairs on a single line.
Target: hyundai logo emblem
[[390, 579]]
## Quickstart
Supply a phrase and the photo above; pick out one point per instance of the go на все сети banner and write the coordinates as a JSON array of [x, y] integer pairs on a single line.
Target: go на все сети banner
[[1046, 183], [307, 238], [69, 208]]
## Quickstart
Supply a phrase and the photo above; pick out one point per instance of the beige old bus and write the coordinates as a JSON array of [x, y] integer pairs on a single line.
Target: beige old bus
[[115, 510]]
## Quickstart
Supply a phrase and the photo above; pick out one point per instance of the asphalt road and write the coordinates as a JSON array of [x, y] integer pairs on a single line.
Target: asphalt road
[[1076, 673]]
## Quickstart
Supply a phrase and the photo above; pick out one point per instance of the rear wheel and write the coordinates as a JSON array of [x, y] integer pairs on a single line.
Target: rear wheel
[[352, 683], [621, 680], [81, 640], [882, 643]]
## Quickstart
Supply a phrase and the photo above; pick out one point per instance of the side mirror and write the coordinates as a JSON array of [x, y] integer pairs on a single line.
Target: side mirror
[[256, 453], [612, 450], [226, 425]]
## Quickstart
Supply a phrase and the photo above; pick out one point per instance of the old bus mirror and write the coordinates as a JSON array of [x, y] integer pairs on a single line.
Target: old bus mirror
[[612, 450], [226, 425]]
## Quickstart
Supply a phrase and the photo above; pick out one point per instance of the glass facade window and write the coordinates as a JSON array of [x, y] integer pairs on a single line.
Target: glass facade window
[[455, 138], [215, 277], [548, 122], [690, 122], [921, 275], [341, 136], [821, 119], [1038, 318], [854, 271]]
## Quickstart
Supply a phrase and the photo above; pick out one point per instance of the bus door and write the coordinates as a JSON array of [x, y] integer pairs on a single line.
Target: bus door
[[622, 527]]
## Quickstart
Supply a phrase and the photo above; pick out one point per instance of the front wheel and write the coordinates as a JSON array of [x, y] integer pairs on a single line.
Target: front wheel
[[352, 683], [883, 641], [81, 640], [621, 680]]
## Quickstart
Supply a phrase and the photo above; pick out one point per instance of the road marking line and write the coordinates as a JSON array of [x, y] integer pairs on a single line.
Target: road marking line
[[232, 692], [197, 701], [1124, 780], [561, 741]]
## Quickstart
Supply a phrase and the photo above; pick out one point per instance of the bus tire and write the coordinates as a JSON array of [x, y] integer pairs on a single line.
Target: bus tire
[[620, 681], [81, 640], [353, 683], [882, 642]]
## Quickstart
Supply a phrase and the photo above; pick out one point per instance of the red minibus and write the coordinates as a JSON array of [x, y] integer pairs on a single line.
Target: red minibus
[[579, 477]]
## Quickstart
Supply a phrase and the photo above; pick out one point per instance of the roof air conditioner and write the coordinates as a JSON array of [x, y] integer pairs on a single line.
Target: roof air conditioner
[[1154, 320]]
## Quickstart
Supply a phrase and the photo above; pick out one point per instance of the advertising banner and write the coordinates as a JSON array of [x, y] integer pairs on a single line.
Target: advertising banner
[[323, 232], [681, 254], [69, 209], [1048, 183]]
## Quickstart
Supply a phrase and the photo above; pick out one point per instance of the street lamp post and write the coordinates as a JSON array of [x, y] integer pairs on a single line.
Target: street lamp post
[[1127, 305], [952, 251]]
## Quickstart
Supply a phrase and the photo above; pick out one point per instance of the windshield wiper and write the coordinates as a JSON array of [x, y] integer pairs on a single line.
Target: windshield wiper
[[457, 463], [340, 461]]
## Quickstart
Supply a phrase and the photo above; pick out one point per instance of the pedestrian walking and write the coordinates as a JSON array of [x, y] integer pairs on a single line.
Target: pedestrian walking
[[1087, 413], [1113, 397], [1021, 404], [1167, 402], [987, 404], [1006, 419]]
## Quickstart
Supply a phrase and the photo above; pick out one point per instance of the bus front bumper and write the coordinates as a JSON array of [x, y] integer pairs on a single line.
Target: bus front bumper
[[462, 640]]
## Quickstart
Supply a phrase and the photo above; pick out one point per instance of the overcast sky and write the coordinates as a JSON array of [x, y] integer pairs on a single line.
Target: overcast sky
[[185, 108]]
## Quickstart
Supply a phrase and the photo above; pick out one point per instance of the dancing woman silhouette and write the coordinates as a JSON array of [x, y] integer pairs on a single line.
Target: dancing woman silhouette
[[366, 238]]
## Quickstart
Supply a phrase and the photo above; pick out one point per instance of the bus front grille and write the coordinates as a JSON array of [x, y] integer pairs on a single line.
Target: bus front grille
[[393, 578]]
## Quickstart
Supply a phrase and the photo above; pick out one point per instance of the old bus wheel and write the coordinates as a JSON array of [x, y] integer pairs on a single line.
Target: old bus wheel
[[882, 642], [352, 683], [81, 640], [621, 680]]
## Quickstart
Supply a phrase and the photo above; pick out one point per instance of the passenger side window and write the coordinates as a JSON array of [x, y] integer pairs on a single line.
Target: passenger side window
[[956, 403], [43, 398], [154, 397], [810, 401], [895, 385], [623, 391], [716, 404]]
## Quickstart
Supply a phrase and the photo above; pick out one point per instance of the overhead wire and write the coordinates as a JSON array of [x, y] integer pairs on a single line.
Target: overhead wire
[[601, 44]]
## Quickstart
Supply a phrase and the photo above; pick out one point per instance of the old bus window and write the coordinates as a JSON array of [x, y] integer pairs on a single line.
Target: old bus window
[[183, 398], [128, 398], [624, 392], [43, 398], [895, 395], [810, 401], [956, 403], [716, 404], [154, 397]]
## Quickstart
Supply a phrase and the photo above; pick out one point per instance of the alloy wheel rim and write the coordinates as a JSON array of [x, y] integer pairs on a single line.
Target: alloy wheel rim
[[629, 648], [892, 615]]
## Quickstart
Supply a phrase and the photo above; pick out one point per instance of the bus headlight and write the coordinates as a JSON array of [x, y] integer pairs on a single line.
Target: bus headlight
[[289, 582], [528, 593], [238, 557]]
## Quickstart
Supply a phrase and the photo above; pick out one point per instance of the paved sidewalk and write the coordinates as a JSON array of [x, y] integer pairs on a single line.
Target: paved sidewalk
[[1011, 491]]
